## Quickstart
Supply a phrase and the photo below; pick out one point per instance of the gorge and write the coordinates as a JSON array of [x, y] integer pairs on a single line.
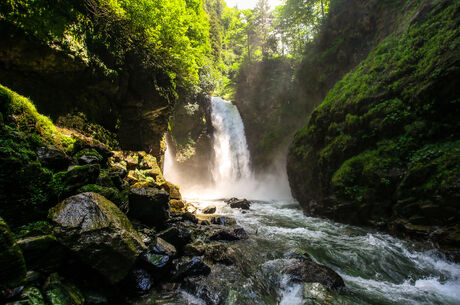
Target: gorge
[[189, 152]]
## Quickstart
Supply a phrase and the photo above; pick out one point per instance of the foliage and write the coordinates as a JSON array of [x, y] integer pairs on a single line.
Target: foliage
[[169, 36], [387, 134]]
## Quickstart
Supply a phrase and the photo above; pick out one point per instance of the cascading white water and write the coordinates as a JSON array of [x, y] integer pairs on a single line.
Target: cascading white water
[[231, 170], [232, 158]]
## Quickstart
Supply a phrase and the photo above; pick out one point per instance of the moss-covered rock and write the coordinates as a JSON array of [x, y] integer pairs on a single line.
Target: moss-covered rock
[[59, 292], [25, 193], [111, 193], [67, 183], [98, 233], [384, 143], [12, 265]]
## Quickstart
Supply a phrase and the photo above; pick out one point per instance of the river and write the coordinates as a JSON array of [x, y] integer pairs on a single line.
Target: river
[[376, 268]]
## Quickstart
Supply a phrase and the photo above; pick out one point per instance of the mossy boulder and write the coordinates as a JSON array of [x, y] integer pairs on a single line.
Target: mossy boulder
[[95, 230], [113, 194], [12, 265], [67, 183], [173, 190], [383, 146]]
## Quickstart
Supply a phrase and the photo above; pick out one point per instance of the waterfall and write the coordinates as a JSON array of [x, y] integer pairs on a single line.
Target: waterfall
[[231, 154], [231, 167]]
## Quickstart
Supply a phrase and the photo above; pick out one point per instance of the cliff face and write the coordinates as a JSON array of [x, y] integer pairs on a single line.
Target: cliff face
[[125, 100], [190, 137], [382, 149], [269, 107]]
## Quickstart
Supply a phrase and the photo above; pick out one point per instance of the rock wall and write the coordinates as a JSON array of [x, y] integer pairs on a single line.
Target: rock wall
[[190, 137], [125, 100], [382, 148]]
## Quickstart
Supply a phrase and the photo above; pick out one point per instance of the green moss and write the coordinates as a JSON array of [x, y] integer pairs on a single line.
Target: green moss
[[37, 228], [111, 193], [388, 131], [20, 113], [12, 264], [89, 152], [61, 293]]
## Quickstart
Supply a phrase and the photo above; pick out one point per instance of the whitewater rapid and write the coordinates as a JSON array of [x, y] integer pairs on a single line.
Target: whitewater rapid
[[376, 268]]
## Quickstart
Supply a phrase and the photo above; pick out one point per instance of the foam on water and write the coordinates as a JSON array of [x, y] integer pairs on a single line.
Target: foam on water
[[376, 267]]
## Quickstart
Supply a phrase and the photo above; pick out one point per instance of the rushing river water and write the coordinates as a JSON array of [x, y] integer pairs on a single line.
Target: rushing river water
[[376, 268]]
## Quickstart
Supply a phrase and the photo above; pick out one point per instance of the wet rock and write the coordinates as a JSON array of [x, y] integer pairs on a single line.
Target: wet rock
[[236, 203], [178, 236], [89, 159], [98, 233], [53, 158], [61, 293], [163, 247], [173, 190], [229, 234], [205, 222], [157, 258], [193, 267], [200, 288], [195, 249], [316, 293], [308, 271], [12, 265], [138, 282], [222, 220], [211, 209], [149, 205], [43, 253], [220, 253], [177, 204]]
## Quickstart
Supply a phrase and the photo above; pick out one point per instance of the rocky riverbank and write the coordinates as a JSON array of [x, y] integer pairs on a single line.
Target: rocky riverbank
[[83, 224]]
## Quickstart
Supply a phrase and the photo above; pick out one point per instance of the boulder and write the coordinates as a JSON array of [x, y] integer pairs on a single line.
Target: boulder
[[195, 249], [307, 271], [173, 190], [12, 265], [98, 233], [316, 293], [236, 203], [220, 253], [177, 204], [89, 159], [178, 236], [53, 158], [193, 267], [211, 209], [149, 205], [66, 183], [229, 234], [157, 258], [42, 253]]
